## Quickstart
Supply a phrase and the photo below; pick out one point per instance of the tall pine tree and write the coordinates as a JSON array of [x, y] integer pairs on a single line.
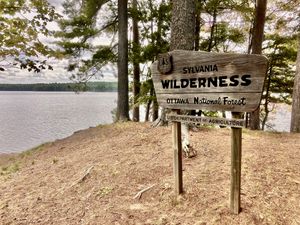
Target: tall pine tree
[[295, 122], [123, 104], [257, 39]]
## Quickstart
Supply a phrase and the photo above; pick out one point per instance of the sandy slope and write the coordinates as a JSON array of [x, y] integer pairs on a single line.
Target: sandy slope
[[93, 176]]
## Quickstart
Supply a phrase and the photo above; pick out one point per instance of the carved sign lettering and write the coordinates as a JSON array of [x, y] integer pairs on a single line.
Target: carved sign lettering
[[209, 81], [206, 120]]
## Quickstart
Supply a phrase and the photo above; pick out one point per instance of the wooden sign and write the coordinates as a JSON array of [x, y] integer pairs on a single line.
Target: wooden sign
[[209, 81]]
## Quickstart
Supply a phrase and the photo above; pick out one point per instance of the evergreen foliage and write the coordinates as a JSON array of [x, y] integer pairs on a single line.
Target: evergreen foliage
[[154, 19], [79, 30]]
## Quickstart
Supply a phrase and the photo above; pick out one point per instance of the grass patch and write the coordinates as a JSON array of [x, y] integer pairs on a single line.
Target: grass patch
[[104, 191], [102, 125], [10, 169], [13, 166], [33, 150]]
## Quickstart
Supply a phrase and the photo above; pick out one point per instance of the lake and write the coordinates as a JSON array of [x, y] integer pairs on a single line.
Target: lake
[[28, 119]]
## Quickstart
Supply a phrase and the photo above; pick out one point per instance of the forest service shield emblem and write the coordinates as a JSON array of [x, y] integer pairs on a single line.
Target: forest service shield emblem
[[164, 65]]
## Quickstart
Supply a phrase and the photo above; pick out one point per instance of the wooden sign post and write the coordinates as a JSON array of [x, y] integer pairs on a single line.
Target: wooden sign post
[[193, 80], [236, 163], [177, 149]]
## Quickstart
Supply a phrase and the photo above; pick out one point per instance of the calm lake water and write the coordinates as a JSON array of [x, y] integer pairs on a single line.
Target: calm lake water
[[28, 119]]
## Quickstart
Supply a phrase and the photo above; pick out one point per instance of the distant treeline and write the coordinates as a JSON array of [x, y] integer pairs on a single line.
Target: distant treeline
[[90, 86]]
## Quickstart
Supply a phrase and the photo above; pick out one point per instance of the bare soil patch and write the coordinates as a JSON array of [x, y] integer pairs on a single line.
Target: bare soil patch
[[93, 176]]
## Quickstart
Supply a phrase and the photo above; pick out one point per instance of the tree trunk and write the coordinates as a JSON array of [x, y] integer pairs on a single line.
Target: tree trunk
[[250, 33], [122, 105], [182, 30], [183, 24], [258, 34], [136, 66], [183, 37], [212, 31], [295, 121], [154, 110], [267, 95], [147, 111], [197, 26]]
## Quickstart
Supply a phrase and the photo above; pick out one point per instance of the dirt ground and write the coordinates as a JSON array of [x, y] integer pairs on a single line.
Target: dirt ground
[[93, 177]]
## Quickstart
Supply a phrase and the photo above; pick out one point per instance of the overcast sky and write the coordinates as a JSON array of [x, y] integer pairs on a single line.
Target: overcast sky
[[59, 74]]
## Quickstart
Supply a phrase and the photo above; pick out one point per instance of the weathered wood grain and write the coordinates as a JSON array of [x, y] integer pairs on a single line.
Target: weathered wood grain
[[209, 75], [177, 150], [236, 162]]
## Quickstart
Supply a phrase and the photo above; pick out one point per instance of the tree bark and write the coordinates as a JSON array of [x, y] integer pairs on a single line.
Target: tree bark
[[212, 31], [257, 39], [122, 105], [183, 37], [295, 121], [136, 66], [154, 110], [147, 113], [197, 27], [183, 24]]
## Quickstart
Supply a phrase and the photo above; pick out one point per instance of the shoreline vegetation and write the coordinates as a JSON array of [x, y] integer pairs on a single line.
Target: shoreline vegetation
[[122, 173], [64, 87]]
